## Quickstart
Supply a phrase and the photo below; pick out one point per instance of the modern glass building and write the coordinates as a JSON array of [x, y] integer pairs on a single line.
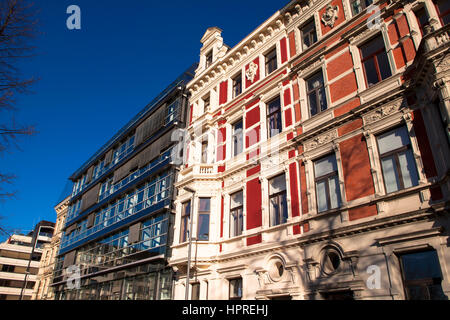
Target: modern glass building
[[117, 232]]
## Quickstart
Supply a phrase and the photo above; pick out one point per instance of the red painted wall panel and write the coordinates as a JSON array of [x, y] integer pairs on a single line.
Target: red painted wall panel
[[252, 136], [283, 50], [254, 240], [362, 212], [223, 96], [221, 152], [356, 165], [349, 127], [252, 117], [339, 65], [288, 117], [294, 190], [424, 144], [253, 197], [343, 87], [303, 195], [287, 97], [339, 20], [292, 48]]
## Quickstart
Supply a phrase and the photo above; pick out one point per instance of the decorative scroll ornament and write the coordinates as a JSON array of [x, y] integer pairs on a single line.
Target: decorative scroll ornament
[[320, 140], [251, 71], [330, 15]]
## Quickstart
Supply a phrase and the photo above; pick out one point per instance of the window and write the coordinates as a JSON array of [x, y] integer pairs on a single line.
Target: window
[[308, 34], [195, 294], [185, 219], [203, 218], [328, 194], [422, 276], [238, 144], [271, 61], [443, 8], [172, 111], [123, 150], [98, 170], [7, 268], [375, 61], [205, 152], [277, 200], [209, 59], [206, 103], [359, 5], [237, 85], [235, 289], [397, 160], [274, 117], [422, 19], [315, 90], [236, 214]]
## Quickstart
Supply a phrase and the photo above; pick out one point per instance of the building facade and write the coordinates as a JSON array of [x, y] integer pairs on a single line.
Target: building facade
[[117, 231], [317, 166], [19, 262], [42, 289]]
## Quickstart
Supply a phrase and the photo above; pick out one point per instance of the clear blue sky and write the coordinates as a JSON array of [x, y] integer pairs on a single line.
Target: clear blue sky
[[94, 80]]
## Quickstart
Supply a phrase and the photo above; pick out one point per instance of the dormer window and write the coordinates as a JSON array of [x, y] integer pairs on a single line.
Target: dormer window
[[209, 59]]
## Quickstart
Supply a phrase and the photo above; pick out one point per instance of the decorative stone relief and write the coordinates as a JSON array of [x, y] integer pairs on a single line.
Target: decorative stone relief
[[382, 112], [320, 140], [251, 71], [330, 15]]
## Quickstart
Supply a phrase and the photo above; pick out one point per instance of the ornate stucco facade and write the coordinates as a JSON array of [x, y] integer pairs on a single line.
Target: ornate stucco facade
[[317, 161], [42, 289]]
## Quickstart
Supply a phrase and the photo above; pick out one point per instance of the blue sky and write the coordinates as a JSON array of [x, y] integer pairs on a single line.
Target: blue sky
[[94, 80]]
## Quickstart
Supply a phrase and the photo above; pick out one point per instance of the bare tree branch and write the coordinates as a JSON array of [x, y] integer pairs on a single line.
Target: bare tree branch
[[17, 28]]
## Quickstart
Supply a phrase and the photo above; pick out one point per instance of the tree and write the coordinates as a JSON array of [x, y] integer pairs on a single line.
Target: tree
[[17, 28]]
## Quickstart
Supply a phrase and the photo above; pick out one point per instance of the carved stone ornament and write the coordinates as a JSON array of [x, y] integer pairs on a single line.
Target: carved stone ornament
[[251, 71], [321, 140], [330, 15], [382, 112]]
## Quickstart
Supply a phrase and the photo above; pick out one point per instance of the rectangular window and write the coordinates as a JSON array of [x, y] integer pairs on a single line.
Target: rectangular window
[[422, 19], [236, 214], [308, 34], [123, 150], [315, 90], [206, 103], [205, 152], [185, 220], [375, 61], [422, 276], [203, 218], [359, 5], [238, 142], [237, 85], [274, 117], [328, 193], [235, 289], [443, 9], [397, 160], [271, 61], [277, 200], [195, 295], [209, 59]]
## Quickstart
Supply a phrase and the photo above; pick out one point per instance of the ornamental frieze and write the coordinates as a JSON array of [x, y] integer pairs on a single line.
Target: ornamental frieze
[[382, 112], [320, 140]]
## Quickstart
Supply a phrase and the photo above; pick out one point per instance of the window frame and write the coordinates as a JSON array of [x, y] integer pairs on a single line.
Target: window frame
[[208, 59], [395, 153], [185, 221], [326, 178], [316, 91], [237, 135], [282, 205], [234, 85], [203, 213], [271, 61], [238, 211], [373, 56], [308, 33], [271, 114], [241, 287]]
